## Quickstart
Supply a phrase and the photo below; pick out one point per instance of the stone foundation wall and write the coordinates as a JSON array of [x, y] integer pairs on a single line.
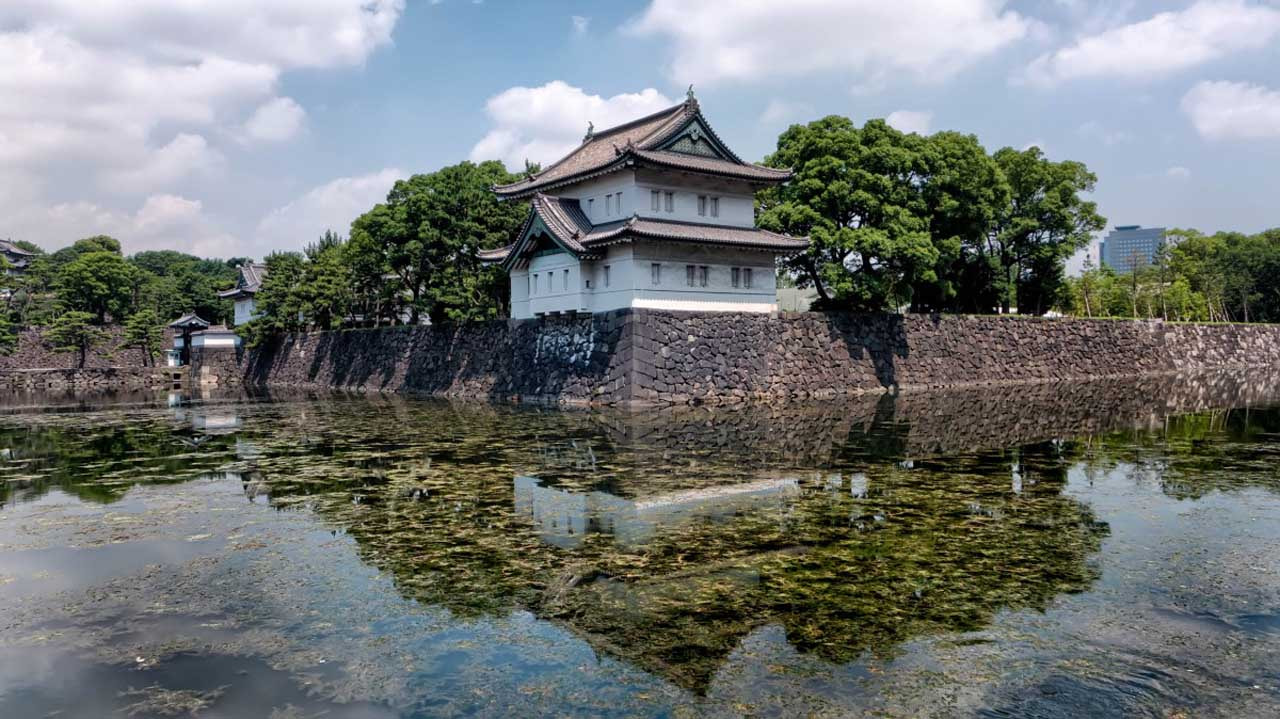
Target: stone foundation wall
[[643, 356], [32, 352], [24, 381]]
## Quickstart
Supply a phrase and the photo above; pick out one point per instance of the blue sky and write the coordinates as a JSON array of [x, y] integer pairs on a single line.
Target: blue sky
[[238, 127]]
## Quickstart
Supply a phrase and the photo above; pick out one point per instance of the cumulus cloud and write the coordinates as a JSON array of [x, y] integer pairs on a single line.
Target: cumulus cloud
[[542, 124], [1233, 110], [126, 96], [1162, 44], [275, 120], [1178, 172], [871, 38], [580, 24], [161, 222], [910, 121], [331, 206], [784, 111], [183, 156]]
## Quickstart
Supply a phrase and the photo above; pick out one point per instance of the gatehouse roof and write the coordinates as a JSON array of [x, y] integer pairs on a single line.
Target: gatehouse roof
[[678, 137], [248, 281]]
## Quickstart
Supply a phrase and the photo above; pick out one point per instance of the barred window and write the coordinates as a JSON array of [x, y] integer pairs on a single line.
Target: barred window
[[670, 200], [746, 277], [736, 276], [715, 207], [703, 273], [655, 200], [702, 205], [688, 274], [655, 273]]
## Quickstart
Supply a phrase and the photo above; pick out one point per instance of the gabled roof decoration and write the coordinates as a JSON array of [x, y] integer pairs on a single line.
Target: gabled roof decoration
[[190, 320], [676, 132], [249, 280], [563, 220]]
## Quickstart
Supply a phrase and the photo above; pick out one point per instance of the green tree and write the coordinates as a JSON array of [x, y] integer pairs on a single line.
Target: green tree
[[857, 194], [100, 283], [278, 303], [423, 242], [74, 332], [1045, 222], [145, 330], [964, 192]]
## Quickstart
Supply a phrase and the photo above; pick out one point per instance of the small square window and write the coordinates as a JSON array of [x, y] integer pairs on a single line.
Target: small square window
[[715, 207], [669, 199], [655, 200], [688, 275], [746, 277], [736, 276], [702, 205], [655, 273], [703, 273]]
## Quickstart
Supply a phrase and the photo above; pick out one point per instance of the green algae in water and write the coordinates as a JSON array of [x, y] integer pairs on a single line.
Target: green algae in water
[[668, 543]]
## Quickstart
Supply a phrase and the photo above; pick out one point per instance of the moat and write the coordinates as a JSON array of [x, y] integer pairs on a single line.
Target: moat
[[1106, 548]]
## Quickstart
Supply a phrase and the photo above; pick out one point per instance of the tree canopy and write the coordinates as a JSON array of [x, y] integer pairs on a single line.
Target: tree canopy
[[934, 223]]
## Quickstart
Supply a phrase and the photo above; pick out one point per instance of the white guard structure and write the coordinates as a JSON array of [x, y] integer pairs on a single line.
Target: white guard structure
[[656, 213]]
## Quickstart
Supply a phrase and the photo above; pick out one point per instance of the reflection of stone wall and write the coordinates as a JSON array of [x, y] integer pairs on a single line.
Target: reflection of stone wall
[[89, 379], [643, 356], [924, 424]]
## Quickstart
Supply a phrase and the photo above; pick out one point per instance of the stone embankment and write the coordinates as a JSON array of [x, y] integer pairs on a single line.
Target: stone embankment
[[652, 357], [35, 366]]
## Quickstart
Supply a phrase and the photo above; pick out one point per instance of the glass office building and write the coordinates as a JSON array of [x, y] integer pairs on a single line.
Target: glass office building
[[1130, 246]]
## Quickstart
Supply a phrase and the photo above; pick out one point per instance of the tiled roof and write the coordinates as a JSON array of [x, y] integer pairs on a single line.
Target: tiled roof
[[9, 248], [609, 149], [189, 320], [712, 165], [250, 280], [564, 218], [648, 228]]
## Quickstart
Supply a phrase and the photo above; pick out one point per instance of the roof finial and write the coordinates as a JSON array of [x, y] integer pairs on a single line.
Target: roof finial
[[528, 168], [689, 94], [591, 131]]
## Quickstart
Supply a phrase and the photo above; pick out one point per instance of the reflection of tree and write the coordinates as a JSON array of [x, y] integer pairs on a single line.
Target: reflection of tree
[[1196, 454], [895, 528], [867, 554], [99, 461]]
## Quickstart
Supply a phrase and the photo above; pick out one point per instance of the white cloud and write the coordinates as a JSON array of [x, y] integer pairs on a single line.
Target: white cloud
[[1093, 130], [910, 121], [542, 124], [580, 24], [125, 96], [161, 222], [779, 111], [184, 156], [762, 38], [275, 120], [1162, 44], [1233, 111], [1178, 172], [331, 206]]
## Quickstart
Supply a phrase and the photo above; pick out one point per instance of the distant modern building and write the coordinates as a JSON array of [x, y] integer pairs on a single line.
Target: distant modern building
[[248, 282], [656, 213], [17, 257], [1130, 246]]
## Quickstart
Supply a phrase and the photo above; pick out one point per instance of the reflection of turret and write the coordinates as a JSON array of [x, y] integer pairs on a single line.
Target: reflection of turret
[[565, 518]]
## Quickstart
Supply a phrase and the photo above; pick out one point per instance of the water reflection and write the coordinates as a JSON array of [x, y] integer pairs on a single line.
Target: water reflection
[[671, 539]]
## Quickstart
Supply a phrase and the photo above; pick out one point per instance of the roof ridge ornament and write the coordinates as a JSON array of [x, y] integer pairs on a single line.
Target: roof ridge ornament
[[689, 99], [528, 169], [591, 132]]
